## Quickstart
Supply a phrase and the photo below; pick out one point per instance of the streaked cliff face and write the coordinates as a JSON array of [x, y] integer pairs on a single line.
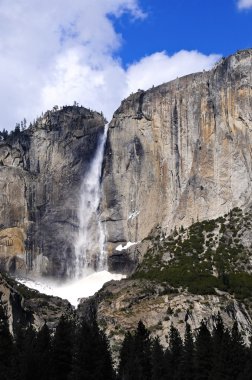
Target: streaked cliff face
[[41, 172], [176, 153], [179, 152]]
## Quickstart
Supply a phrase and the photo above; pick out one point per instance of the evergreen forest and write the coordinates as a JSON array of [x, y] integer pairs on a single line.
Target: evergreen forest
[[80, 351]]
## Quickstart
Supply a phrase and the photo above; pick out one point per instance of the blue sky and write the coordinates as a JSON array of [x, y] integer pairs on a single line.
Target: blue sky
[[209, 26], [97, 52]]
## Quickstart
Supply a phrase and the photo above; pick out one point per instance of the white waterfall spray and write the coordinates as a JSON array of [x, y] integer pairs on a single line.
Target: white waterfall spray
[[89, 246]]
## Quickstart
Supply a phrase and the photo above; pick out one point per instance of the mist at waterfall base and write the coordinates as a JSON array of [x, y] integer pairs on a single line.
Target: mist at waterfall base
[[73, 290], [89, 271]]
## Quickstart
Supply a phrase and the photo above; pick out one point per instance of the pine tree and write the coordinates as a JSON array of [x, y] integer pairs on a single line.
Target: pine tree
[[158, 364], [43, 354], [92, 358], [175, 346], [142, 353], [203, 353], [127, 357], [237, 353], [246, 373], [6, 348], [217, 344], [186, 369], [5, 134], [102, 358], [62, 347], [27, 355], [19, 352], [135, 360], [169, 369]]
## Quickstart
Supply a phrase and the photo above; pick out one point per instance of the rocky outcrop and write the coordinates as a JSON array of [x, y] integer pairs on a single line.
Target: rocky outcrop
[[190, 276], [120, 306], [25, 307], [178, 153], [41, 171]]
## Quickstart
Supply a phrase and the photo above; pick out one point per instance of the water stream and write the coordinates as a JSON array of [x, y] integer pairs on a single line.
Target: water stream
[[90, 267], [89, 246]]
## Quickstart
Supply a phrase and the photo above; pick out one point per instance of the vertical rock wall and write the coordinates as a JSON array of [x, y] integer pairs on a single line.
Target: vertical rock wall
[[175, 153], [41, 170], [179, 152]]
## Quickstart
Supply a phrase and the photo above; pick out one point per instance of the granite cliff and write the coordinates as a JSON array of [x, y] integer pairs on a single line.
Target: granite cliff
[[175, 154], [178, 153], [177, 160], [41, 171]]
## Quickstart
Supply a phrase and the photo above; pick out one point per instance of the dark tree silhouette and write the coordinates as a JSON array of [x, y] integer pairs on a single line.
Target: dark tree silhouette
[[126, 366], [6, 348], [92, 358], [62, 348], [136, 355], [43, 354], [203, 353], [81, 352], [176, 347], [158, 363], [186, 368]]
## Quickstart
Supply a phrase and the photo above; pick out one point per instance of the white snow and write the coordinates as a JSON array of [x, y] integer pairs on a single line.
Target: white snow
[[128, 244], [133, 215], [73, 291]]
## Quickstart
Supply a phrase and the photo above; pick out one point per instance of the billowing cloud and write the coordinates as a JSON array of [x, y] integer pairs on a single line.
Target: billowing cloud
[[60, 51], [244, 4], [159, 68]]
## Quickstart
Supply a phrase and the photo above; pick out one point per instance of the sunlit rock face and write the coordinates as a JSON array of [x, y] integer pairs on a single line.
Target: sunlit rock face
[[178, 153], [41, 172], [120, 306]]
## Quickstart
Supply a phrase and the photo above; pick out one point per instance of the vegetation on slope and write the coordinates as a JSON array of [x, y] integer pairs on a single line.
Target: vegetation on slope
[[207, 256]]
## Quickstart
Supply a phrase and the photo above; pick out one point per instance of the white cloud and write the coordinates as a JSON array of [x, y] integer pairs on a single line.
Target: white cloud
[[102, 87], [159, 68], [57, 51], [244, 4]]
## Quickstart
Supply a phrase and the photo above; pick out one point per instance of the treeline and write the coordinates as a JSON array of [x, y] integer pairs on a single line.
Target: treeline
[[4, 134], [81, 352], [221, 355], [73, 352]]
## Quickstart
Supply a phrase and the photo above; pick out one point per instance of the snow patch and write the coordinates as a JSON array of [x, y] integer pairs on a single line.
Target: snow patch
[[133, 215], [128, 244], [73, 291]]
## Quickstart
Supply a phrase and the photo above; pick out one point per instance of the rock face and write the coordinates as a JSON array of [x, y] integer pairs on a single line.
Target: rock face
[[192, 275], [177, 153], [41, 170], [120, 306], [25, 307]]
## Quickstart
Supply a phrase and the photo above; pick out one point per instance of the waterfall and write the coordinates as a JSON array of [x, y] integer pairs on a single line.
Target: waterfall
[[89, 270], [89, 246]]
